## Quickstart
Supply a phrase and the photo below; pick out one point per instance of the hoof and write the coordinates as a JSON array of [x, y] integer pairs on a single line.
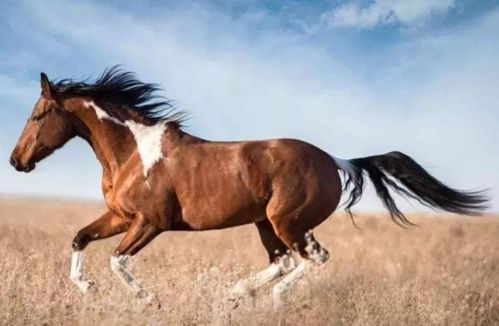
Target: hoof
[[91, 287], [84, 286], [238, 291], [233, 302], [237, 295], [150, 299], [277, 298], [153, 302]]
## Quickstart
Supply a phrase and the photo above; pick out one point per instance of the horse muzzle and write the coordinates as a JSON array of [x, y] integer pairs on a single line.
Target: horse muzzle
[[22, 167]]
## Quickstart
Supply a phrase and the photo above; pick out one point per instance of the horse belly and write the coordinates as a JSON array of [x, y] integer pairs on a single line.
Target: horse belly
[[220, 205], [221, 211], [219, 185]]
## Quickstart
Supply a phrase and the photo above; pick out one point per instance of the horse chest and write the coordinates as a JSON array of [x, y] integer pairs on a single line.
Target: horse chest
[[123, 197], [118, 204], [133, 194]]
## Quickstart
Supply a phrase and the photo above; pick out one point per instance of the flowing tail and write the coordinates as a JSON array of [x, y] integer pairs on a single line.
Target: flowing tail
[[413, 182]]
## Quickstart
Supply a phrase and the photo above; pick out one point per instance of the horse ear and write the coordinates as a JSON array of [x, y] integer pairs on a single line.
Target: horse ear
[[45, 85]]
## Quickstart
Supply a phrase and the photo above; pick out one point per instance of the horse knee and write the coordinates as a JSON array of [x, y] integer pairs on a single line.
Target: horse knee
[[80, 241]]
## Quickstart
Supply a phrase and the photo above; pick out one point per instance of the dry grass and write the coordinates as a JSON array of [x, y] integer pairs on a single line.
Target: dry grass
[[446, 272]]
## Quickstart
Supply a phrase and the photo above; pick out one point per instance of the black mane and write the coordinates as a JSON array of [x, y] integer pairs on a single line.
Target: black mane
[[123, 88]]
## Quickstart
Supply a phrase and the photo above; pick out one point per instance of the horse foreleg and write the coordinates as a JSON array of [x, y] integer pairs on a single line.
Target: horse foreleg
[[76, 274], [106, 226], [139, 235]]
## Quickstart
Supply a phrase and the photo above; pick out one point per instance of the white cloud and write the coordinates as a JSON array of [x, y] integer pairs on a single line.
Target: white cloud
[[380, 12]]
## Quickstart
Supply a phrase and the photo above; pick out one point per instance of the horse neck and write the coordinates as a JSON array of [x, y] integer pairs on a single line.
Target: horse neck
[[111, 140]]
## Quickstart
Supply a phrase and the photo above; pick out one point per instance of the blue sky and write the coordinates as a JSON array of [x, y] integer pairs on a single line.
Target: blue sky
[[355, 78]]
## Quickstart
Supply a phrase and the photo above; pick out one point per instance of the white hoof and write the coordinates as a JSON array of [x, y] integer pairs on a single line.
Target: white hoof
[[239, 290], [150, 299], [83, 285]]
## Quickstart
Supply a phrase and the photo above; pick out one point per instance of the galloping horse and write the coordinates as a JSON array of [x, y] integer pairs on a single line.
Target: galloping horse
[[157, 177]]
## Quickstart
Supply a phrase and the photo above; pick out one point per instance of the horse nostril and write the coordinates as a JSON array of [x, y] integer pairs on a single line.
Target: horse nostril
[[13, 162]]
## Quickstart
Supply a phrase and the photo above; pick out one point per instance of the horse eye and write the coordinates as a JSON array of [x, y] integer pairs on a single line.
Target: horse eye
[[37, 117]]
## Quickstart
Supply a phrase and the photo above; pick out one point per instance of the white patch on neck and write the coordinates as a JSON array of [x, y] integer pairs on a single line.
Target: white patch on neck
[[101, 114], [148, 138]]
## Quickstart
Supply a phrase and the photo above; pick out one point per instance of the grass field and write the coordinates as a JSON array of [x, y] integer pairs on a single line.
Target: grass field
[[445, 272]]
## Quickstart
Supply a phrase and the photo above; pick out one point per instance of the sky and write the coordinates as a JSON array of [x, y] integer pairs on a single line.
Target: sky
[[355, 78]]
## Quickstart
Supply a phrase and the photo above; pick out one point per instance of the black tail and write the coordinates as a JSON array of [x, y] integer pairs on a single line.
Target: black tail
[[413, 182]]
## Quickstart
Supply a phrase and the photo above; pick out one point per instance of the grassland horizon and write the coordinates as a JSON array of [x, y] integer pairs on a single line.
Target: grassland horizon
[[444, 272]]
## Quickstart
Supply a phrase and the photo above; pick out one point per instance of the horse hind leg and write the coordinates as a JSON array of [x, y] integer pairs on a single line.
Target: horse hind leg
[[296, 235], [314, 251], [311, 251], [281, 261], [283, 286]]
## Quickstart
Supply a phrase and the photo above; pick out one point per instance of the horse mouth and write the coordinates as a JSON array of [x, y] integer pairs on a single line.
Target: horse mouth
[[28, 168]]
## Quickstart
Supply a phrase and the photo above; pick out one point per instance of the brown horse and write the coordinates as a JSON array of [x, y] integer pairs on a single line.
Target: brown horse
[[157, 177]]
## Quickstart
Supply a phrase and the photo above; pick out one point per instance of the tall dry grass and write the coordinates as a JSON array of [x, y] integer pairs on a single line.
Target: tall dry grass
[[445, 272]]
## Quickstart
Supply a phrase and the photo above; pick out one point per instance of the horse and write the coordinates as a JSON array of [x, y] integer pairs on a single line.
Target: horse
[[157, 177]]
